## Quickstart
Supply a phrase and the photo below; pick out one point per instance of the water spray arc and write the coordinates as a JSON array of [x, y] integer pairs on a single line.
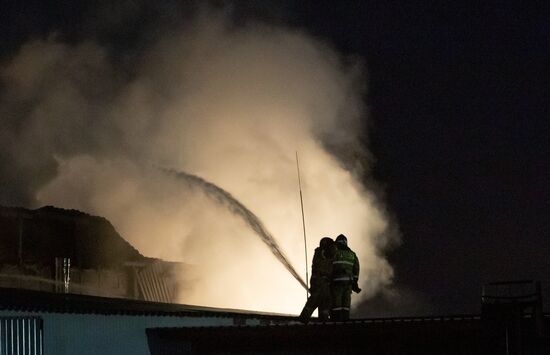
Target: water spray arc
[[225, 198]]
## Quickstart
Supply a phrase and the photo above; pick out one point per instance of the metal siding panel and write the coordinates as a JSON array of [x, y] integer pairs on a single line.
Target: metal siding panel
[[16, 335], [147, 285], [24, 337], [11, 336], [155, 282], [4, 336], [139, 283], [29, 336], [90, 334], [160, 283], [33, 343], [144, 285], [164, 284], [150, 282], [41, 337]]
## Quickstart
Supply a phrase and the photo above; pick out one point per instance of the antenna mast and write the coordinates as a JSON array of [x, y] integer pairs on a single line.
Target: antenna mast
[[303, 222]]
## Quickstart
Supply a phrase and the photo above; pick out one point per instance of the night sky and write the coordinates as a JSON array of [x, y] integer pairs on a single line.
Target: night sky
[[459, 109], [458, 126]]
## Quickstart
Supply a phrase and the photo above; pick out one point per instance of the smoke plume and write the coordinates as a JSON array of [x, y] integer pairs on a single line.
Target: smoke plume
[[82, 128]]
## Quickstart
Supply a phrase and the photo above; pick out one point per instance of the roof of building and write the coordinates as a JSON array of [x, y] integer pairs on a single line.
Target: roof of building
[[316, 327], [38, 301], [460, 334]]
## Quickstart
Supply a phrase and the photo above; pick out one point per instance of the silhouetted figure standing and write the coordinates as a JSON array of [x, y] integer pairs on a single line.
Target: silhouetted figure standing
[[345, 274], [321, 275]]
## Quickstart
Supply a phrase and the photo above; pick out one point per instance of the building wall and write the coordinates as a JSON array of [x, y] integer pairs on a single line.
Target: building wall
[[66, 333], [156, 281], [97, 282]]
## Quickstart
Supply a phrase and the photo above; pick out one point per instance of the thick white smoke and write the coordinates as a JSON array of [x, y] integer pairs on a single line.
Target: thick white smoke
[[230, 104]]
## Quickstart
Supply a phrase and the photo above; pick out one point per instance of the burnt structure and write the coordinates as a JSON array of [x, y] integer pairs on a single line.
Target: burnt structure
[[58, 250]]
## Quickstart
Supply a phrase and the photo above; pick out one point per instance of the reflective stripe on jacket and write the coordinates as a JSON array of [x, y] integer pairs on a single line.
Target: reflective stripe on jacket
[[345, 265]]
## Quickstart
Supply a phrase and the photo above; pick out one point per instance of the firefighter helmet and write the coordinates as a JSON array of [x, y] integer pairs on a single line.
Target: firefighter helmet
[[342, 239]]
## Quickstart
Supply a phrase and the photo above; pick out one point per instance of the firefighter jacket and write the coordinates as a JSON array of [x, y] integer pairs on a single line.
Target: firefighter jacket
[[321, 268], [345, 265]]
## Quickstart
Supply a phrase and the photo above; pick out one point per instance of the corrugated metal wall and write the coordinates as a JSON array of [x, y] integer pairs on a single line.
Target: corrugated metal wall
[[21, 336], [153, 281], [91, 334]]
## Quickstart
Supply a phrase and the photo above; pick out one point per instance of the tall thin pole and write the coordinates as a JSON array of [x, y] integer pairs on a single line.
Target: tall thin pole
[[303, 222]]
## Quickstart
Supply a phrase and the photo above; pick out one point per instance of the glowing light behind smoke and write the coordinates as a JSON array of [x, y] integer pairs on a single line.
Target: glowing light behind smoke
[[228, 104], [224, 198]]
